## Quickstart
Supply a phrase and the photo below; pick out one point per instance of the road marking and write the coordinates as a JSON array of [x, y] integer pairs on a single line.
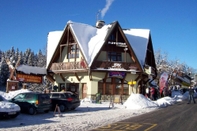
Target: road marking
[[127, 126]]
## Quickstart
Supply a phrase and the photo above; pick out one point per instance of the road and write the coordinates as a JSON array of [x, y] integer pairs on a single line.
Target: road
[[179, 117]]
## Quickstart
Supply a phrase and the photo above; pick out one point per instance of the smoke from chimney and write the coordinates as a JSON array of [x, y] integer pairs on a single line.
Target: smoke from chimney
[[105, 9]]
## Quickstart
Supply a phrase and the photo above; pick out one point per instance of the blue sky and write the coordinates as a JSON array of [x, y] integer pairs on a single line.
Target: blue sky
[[173, 23]]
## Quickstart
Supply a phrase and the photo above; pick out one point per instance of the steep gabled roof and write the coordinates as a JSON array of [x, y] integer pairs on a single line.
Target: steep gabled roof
[[138, 39], [91, 39], [52, 43]]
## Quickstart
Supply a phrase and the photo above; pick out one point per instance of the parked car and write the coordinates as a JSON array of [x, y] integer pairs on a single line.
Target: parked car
[[8, 109], [65, 100], [33, 102]]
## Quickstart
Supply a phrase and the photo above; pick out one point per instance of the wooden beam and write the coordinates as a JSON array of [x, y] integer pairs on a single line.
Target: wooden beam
[[62, 77], [68, 44], [122, 84], [139, 76], [90, 74], [61, 53], [104, 83], [106, 74], [77, 77], [69, 71], [50, 78]]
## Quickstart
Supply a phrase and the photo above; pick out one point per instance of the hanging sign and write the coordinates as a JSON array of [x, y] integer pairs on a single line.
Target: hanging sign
[[29, 78]]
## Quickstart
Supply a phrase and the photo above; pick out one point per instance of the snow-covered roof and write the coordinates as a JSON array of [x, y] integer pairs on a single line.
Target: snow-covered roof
[[138, 39], [52, 42], [31, 70], [91, 39], [93, 36]]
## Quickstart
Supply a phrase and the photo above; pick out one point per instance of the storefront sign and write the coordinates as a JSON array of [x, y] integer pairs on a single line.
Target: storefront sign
[[117, 65], [117, 74], [131, 82], [29, 78]]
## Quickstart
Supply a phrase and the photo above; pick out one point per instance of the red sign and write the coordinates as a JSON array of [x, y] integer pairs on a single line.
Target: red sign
[[29, 78]]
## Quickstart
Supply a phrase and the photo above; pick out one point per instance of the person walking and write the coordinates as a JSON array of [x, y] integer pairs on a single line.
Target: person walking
[[152, 93], [191, 95]]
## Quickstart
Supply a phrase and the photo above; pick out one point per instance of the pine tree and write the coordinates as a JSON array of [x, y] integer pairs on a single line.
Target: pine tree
[[30, 59], [41, 59], [4, 71]]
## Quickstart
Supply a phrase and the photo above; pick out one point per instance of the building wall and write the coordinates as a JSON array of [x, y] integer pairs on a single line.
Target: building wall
[[102, 56], [92, 85], [64, 56]]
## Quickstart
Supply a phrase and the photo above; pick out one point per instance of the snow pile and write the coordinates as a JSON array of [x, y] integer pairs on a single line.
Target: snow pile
[[12, 94], [165, 101], [87, 99], [139, 101]]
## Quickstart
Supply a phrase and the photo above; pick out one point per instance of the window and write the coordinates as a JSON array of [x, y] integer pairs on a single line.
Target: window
[[62, 96], [29, 96], [55, 95], [19, 97], [73, 51], [114, 56], [112, 38]]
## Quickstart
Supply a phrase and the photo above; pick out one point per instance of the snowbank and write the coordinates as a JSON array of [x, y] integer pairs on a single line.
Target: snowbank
[[139, 101]]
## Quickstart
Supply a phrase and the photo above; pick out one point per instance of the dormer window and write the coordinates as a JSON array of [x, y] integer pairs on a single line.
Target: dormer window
[[114, 56], [73, 51]]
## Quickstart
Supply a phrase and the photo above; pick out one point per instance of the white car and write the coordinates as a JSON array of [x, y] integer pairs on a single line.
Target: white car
[[8, 109]]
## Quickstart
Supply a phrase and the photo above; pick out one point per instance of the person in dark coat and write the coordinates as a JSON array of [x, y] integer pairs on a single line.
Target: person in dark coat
[[191, 95], [152, 93]]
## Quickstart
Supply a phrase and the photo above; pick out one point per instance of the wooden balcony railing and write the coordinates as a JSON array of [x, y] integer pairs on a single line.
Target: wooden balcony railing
[[68, 66], [114, 64]]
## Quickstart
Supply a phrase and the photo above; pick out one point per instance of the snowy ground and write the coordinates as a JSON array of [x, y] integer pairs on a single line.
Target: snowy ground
[[88, 116]]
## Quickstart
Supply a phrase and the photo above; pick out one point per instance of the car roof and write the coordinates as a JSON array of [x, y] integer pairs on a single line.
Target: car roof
[[32, 93], [62, 92]]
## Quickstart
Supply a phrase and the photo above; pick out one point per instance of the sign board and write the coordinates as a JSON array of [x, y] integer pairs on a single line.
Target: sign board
[[117, 74], [29, 78], [117, 99], [131, 82]]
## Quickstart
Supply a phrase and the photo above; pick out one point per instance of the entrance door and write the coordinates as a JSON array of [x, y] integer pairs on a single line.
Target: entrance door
[[84, 90], [113, 86]]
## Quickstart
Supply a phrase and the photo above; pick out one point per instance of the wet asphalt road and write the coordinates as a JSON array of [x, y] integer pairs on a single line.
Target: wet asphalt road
[[179, 117]]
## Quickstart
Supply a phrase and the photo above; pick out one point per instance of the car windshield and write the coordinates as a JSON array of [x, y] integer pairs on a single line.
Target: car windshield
[[19, 97]]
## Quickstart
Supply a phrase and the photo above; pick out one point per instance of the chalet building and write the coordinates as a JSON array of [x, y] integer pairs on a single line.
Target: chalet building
[[103, 59], [182, 79]]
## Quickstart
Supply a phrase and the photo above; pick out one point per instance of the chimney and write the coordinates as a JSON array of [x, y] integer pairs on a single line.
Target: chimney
[[100, 24]]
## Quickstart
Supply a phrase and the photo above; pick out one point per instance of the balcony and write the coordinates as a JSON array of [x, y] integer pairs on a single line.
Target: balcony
[[69, 67], [82, 67], [115, 65]]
